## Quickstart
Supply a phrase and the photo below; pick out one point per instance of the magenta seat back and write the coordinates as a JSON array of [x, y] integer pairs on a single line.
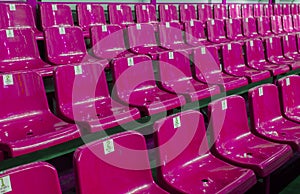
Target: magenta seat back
[[145, 13], [33, 178], [120, 14], [121, 157], [194, 32], [263, 26], [289, 43], [233, 28], [296, 22], [277, 9], [220, 11], [90, 15], [233, 55], [247, 10], [255, 50], [234, 10], [55, 15], [170, 34], [65, 45], [286, 9], [215, 30], [180, 143], [258, 10], [264, 104], [273, 46], [168, 13], [187, 12], [141, 35], [294, 9], [287, 22], [268, 10], [249, 27], [276, 24], [205, 11]]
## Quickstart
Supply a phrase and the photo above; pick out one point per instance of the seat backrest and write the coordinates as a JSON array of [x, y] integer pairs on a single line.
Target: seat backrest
[[289, 43], [247, 10], [106, 38], [170, 34], [287, 22], [228, 117], [263, 26], [205, 12], [296, 22], [145, 13], [249, 27], [89, 15], [264, 104], [215, 30], [40, 177], [55, 15], [273, 46], [276, 24], [113, 158], [168, 13], [255, 50], [141, 35], [220, 11], [258, 10], [65, 44], [234, 11], [194, 32], [120, 14], [187, 12], [294, 9], [233, 28], [233, 55], [286, 9], [181, 138], [268, 10], [277, 10]]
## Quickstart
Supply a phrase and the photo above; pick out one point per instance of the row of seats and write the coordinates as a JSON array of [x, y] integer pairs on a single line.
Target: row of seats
[[184, 162]]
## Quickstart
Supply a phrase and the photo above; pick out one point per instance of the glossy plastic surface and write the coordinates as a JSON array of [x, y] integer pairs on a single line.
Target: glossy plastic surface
[[168, 13], [294, 9], [145, 13], [263, 26], [286, 9], [249, 28], [247, 10], [276, 25], [287, 21], [187, 12], [258, 10], [277, 9], [290, 51], [234, 11], [120, 14], [216, 31], [205, 12], [234, 29], [268, 10], [220, 11]]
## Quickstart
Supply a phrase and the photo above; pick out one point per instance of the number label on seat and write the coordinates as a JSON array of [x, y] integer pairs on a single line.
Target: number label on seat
[[5, 185], [108, 146]]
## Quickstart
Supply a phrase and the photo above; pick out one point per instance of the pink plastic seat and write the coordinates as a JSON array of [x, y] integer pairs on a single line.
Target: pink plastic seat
[[287, 21], [275, 53], [249, 28], [19, 51], [276, 25], [187, 166], [187, 12], [216, 31], [234, 64], [195, 33], [277, 9], [170, 37], [286, 9], [205, 12], [18, 16], [90, 15], [146, 13], [55, 15], [108, 42], [82, 96], [247, 10], [135, 85], [296, 23], [267, 120], [256, 58], [268, 10], [264, 26], [175, 76], [258, 10], [234, 142], [141, 38], [234, 11], [33, 178], [207, 68], [29, 127], [234, 30], [120, 158], [290, 51], [294, 9], [168, 13], [220, 11], [120, 14]]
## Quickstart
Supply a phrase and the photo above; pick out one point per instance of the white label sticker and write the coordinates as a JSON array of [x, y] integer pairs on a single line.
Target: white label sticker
[[171, 55], [166, 7], [229, 46], [119, 7], [167, 24], [246, 20], [224, 104], [108, 146], [54, 7], [284, 6], [212, 22], [230, 21], [62, 30], [104, 28], [89, 7], [286, 38], [256, 6], [8, 79], [12, 7], [261, 19], [138, 26], [202, 6], [203, 50], [221, 67], [130, 61], [270, 40], [78, 70], [232, 5], [144, 7], [192, 23], [251, 43], [260, 91], [273, 17], [10, 33], [185, 6], [218, 6], [288, 81], [176, 122], [5, 185]]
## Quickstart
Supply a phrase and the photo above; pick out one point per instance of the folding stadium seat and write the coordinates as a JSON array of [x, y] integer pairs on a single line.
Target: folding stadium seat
[[186, 164], [26, 122], [168, 13], [19, 51], [255, 54], [296, 23], [276, 25], [264, 26], [220, 11], [249, 28], [294, 9], [286, 9], [277, 9], [82, 96], [234, 30], [195, 33], [121, 158], [207, 68], [55, 15], [247, 10], [233, 141], [120, 14], [108, 42], [234, 10], [187, 12], [141, 38], [170, 37], [258, 10], [275, 53], [234, 64], [216, 32], [146, 13], [267, 119], [205, 12], [90, 15], [33, 178], [135, 85], [287, 21], [268, 10], [12, 15], [175, 76], [290, 51]]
